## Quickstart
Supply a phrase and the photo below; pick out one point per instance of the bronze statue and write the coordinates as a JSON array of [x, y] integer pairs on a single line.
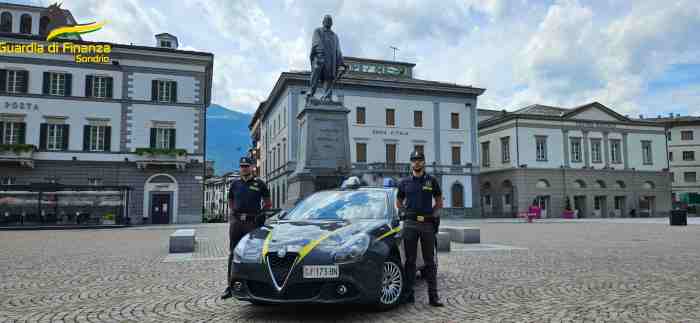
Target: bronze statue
[[325, 58]]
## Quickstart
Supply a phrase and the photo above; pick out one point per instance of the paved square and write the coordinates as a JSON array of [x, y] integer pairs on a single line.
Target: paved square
[[588, 271]]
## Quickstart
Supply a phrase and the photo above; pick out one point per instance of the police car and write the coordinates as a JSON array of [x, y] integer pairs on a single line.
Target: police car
[[335, 246]]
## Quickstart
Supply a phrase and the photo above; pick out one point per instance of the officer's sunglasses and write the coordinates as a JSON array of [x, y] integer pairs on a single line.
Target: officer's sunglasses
[[245, 166], [417, 159]]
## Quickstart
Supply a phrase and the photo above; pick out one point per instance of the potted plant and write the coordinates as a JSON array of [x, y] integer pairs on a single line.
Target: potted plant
[[108, 218]]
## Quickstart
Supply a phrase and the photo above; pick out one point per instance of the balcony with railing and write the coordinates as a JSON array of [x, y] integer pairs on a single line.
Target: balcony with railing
[[151, 157], [404, 168], [18, 154]]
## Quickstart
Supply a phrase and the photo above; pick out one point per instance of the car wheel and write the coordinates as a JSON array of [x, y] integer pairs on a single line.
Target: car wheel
[[392, 284]]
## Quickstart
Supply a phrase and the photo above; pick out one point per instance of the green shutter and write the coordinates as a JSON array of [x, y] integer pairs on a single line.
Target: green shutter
[[172, 139], [66, 140], [88, 85], [173, 92], [25, 86], [153, 137], [86, 138], [154, 90], [109, 82], [2, 132], [21, 133], [69, 84], [108, 139], [3, 81], [43, 136], [47, 82]]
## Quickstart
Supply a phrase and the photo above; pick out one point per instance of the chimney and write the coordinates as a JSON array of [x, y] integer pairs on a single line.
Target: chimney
[[166, 40]]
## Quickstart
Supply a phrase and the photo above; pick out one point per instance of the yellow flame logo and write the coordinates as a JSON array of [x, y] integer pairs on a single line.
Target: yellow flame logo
[[75, 30]]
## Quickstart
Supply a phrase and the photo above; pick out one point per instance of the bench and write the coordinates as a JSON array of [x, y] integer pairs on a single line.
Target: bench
[[443, 241], [182, 241], [463, 234]]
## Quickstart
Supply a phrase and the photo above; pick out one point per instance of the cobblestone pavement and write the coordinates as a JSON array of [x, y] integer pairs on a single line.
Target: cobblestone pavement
[[554, 272]]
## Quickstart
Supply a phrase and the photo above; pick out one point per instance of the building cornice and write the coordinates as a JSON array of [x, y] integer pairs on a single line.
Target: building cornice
[[400, 85]]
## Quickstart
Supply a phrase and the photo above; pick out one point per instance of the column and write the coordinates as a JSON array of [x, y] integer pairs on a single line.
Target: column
[[585, 149], [606, 149], [565, 134], [625, 154]]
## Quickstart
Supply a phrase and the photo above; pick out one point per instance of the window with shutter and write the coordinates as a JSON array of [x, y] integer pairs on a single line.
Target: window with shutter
[[97, 138], [457, 155], [55, 139], [361, 152], [166, 91], [3, 81], [390, 121], [360, 118], [391, 153], [16, 81], [99, 87], [12, 133], [418, 119], [57, 84], [455, 120], [163, 138]]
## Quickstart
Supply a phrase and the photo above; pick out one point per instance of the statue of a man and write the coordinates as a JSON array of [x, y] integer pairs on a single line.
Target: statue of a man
[[325, 59]]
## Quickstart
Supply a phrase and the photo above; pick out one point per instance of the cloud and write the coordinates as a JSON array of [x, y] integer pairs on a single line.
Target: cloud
[[561, 52]]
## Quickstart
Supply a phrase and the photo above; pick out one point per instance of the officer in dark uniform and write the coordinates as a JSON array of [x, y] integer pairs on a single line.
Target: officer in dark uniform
[[415, 198], [246, 197]]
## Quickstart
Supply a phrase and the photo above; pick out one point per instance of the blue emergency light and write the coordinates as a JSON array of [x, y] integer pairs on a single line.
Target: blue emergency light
[[389, 182]]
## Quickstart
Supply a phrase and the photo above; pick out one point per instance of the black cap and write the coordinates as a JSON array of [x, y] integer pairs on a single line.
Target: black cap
[[246, 161], [417, 155]]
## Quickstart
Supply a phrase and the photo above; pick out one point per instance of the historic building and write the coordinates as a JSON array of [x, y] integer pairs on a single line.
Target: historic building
[[589, 158], [136, 123], [683, 136], [391, 114], [216, 196]]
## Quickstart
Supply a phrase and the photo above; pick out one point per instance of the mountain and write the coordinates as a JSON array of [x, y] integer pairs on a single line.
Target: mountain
[[228, 137]]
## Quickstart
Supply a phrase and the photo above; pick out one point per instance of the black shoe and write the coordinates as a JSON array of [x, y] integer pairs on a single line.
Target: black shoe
[[227, 293], [434, 301]]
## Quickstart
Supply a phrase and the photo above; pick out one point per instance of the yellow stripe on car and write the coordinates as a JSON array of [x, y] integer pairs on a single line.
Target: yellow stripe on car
[[266, 245], [388, 233]]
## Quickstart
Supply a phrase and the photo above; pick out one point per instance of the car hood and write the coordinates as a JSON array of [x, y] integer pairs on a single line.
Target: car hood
[[303, 236]]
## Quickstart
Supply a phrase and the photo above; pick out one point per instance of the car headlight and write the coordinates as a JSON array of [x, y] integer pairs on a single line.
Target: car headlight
[[353, 249], [247, 250]]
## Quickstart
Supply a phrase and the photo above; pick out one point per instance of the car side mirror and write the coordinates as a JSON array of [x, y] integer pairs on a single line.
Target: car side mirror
[[280, 215]]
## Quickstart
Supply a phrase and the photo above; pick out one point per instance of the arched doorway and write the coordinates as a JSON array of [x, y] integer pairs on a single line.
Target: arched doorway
[[457, 192], [160, 199]]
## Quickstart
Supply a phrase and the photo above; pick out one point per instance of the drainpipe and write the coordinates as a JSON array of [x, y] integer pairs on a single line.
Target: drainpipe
[[517, 145], [517, 160]]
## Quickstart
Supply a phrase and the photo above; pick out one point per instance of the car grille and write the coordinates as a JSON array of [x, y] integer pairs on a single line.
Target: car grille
[[292, 292], [281, 267]]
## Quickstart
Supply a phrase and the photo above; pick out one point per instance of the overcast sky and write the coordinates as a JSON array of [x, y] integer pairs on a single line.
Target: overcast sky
[[633, 56]]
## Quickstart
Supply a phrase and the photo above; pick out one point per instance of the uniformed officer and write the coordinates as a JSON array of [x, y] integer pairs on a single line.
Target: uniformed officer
[[415, 197], [246, 197]]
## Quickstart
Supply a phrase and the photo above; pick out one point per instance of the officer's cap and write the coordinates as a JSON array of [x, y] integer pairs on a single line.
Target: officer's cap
[[246, 161]]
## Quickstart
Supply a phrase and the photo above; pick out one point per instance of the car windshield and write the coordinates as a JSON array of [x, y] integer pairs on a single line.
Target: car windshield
[[340, 205]]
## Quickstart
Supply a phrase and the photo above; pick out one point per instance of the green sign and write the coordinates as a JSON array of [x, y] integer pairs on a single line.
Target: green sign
[[379, 69]]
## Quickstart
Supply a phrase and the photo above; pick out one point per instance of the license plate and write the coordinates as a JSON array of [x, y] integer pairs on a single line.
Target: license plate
[[317, 271]]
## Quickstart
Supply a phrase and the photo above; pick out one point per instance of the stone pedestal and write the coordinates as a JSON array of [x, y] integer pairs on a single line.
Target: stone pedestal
[[323, 158]]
